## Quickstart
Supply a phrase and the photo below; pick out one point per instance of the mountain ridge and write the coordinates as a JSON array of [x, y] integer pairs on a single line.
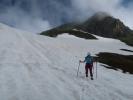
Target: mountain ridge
[[101, 24], [105, 25]]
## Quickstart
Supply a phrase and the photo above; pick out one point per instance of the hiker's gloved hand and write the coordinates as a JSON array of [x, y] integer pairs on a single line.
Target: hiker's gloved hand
[[81, 61]]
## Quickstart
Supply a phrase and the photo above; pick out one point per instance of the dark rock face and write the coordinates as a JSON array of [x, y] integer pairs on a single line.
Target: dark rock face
[[106, 26], [116, 61]]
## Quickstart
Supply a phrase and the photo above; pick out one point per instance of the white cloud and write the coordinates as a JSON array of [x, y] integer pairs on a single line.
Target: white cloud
[[44, 14], [22, 20]]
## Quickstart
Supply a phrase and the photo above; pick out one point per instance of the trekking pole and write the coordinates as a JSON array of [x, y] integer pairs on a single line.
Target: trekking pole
[[78, 69], [93, 69], [96, 69]]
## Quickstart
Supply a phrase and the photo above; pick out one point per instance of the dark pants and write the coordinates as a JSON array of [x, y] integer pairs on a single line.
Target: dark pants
[[88, 66]]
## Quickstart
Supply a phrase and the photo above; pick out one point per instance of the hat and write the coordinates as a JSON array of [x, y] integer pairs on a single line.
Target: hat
[[88, 54]]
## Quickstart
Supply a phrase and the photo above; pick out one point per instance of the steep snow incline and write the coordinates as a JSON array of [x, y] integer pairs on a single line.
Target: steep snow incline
[[36, 67]]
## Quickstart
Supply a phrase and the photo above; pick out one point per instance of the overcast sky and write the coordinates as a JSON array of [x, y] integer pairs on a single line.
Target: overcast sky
[[40, 15]]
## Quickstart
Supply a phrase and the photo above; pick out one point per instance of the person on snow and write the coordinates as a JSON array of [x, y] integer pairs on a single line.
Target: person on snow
[[89, 64]]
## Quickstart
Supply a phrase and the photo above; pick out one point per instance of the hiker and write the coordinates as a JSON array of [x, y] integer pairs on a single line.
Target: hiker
[[89, 64]]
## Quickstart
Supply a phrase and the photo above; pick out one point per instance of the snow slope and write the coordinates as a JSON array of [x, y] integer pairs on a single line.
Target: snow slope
[[34, 67]]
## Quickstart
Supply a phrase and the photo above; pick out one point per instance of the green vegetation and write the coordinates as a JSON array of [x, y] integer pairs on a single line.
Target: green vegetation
[[128, 39], [117, 61], [57, 31]]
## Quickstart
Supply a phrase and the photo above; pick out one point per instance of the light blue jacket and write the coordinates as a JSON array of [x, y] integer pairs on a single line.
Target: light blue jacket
[[88, 59]]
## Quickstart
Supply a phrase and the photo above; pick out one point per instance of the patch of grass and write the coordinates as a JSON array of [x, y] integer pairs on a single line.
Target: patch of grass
[[117, 61], [127, 39]]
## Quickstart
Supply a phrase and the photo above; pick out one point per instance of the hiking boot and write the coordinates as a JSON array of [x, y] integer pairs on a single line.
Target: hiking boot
[[86, 75], [91, 78]]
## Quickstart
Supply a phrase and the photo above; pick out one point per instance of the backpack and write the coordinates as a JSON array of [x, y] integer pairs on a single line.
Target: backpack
[[89, 59]]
